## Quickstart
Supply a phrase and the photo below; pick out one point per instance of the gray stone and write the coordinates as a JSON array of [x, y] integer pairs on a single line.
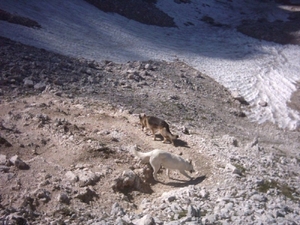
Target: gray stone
[[28, 83], [148, 66], [233, 169], [17, 162], [120, 221], [176, 208], [192, 211], [3, 159], [117, 210], [63, 198], [15, 218], [209, 219], [145, 220], [129, 178], [238, 97], [279, 213], [145, 203], [71, 176], [4, 169], [185, 130], [204, 193], [4, 142], [87, 178], [263, 103], [259, 198], [86, 195], [40, 86], [43, 195], [171, 198]]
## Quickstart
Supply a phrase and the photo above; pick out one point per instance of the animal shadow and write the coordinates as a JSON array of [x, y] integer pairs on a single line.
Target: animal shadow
[[177, 142], [184, 183], [180, 143]]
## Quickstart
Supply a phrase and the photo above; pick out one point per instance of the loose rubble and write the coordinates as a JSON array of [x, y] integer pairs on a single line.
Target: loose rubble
[[67, 127]]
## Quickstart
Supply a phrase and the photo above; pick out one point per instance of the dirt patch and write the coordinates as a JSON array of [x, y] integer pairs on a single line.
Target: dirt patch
[[54, 135], [69, 118]]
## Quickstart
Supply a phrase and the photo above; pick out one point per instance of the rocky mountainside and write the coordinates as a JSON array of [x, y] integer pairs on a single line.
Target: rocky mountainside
[[68, 126]]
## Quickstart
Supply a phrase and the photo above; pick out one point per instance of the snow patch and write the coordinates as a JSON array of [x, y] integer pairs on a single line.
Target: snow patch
[[260, 71]]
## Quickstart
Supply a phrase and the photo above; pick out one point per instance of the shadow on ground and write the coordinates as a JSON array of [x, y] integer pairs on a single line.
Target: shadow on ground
[[184, 183]]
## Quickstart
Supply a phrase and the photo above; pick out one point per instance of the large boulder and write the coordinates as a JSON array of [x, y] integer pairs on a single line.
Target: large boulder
[[129, 181]]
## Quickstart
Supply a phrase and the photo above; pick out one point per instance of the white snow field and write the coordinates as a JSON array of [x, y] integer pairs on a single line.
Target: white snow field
[[260, 71]]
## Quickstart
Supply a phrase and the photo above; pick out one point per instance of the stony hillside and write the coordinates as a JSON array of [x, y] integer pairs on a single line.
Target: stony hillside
[[68, 126]]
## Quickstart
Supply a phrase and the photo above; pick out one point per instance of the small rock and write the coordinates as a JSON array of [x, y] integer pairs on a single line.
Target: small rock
[[3, 159], [209, 219], [43, 195], [28, 82], [126, 180], [145, 203], [40, 86], [120, 221], [71, 176], [63, 198], [233, 169], [148, 67], [129, 178], [263, 103], [17, 162], [280, 213], [4, 142], [87, 178], [193, 212], [117, 210], [145, 220], [229, 140], [185, 130], [4, 169], [238, 113], [171, 198], [253, 143], [238, 97], [259, 198], [204, 193], [15, 218], [86, 195]]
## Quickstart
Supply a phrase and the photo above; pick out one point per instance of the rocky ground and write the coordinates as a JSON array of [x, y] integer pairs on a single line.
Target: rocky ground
[[68, 125]]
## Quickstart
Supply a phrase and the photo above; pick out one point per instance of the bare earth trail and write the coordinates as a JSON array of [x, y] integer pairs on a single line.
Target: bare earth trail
[[56, 135]]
